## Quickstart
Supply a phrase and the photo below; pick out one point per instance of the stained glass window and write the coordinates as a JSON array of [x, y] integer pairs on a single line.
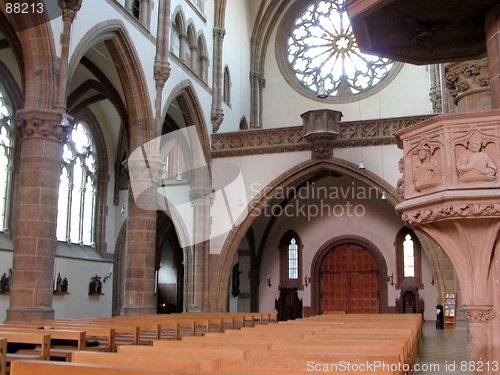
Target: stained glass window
[[322, 49]]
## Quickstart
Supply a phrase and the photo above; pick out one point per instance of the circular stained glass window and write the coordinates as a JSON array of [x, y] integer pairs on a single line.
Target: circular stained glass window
[[321, 50]]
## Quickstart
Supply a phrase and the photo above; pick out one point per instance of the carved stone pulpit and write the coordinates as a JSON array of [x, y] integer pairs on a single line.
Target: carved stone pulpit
[[451, 186]]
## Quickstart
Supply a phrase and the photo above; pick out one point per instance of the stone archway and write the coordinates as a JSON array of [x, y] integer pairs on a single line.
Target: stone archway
[[296, 175]]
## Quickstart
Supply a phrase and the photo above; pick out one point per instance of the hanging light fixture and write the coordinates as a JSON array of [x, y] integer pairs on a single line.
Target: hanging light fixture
[[383, 197], [361, 164], [322, 94]]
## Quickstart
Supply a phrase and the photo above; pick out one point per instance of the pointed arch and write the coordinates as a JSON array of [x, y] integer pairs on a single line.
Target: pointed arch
[[220, 13], [300, 173], [16, 97], [124, 55], [38, 53], [202, 63], [192, 111]]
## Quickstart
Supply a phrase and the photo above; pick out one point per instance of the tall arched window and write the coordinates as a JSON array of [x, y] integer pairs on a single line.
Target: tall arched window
[[77, 188], [408, 258], [291, 261], [202, 65], [6, 151]]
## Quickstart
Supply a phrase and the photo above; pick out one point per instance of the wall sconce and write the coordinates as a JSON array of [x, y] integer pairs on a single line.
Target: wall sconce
[[432, 281], [391, 280], [269, 281], [306, 281]]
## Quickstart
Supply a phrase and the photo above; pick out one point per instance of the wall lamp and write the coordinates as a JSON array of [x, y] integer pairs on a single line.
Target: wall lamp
[[306, 281], [391, 280], [269, 281]]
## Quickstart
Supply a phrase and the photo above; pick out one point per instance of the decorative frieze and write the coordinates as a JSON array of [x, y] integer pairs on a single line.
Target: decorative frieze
[[289, 139], [451, 210]]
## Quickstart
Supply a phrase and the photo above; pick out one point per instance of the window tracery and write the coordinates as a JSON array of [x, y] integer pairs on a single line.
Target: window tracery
[[77, 188]]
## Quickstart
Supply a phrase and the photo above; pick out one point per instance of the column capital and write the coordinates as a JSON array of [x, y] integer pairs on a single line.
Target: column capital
[[219, 33], [70, 8], [40, 123], [216, 116], [161, 73], [201, 197], [479, 314]]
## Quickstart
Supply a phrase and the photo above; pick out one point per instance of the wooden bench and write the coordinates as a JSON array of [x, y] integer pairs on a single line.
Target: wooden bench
[[36, 338], [57, 350], [105, 336], [203, 351], [65, 368], [3, 354], [215, 365]]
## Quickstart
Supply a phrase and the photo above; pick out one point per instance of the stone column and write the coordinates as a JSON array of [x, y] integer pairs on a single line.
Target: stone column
[[492, 28], [217, 114], [480, 318], [144, 13], [201, 200], [139, 297], [255, 110], [36, 214]]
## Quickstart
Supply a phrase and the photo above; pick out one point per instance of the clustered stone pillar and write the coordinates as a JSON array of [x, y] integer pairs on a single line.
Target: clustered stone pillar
[[36, 215]]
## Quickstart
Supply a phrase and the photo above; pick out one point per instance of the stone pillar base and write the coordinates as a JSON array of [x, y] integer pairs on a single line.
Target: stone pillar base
[[29, 314], [138, 310]]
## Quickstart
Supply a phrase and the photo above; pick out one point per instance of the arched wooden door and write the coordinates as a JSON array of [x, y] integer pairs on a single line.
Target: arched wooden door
[[349, 281]]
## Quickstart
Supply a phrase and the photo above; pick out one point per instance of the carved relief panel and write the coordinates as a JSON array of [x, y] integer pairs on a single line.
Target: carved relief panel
[[450, 153]]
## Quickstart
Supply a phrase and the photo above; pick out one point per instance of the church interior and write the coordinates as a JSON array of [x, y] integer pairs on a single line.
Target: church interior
[[294, 157]]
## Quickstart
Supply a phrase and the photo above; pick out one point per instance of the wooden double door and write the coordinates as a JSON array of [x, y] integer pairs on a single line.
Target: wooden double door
[[349, 280]]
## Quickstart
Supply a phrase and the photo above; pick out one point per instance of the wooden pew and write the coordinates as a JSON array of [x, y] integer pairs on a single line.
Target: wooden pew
[[65, 368], [205, 364], [203, 351], [56, 350], [3, 352], [104, 335], [36, 338]]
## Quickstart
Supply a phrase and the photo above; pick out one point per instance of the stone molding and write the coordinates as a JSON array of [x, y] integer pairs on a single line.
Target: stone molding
[[290, 139]]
